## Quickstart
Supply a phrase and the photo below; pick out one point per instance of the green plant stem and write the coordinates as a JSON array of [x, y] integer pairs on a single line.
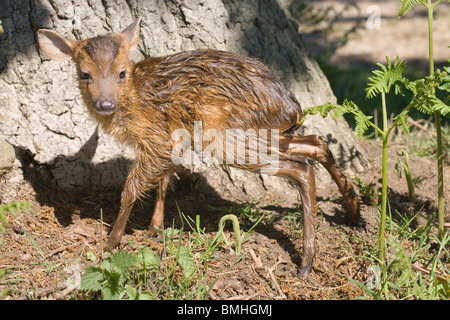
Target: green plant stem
[[437, 117], [440, 176], [430, 8], [385, 135], [237, 231], [409, 180]]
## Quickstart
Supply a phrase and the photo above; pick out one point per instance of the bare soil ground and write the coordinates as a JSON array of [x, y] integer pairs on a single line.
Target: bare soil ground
[[41, 246], [52, 240]]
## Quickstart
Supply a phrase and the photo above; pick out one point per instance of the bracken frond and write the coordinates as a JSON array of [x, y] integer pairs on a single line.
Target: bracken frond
[[388, 76], [424, 98], [407, 5]]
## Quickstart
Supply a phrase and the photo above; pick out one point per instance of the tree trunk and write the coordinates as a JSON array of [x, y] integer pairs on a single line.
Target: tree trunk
[[41, 110]]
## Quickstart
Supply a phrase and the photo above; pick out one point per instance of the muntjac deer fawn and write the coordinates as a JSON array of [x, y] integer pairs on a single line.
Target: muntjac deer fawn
[[142, 104]]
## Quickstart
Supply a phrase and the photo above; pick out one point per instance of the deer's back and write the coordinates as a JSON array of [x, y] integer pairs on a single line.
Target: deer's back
[[221, 89]]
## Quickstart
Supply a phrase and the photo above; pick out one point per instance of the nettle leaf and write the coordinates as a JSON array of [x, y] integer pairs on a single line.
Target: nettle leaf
[[168, 233], [92, 279], [111, 290], [131, 292], [106, 265], [146, 296], [387, 77], [123, 260], [121, 263], [148, 260], [186, 261]]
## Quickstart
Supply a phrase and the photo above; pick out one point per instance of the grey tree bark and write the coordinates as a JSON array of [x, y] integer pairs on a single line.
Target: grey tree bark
[[43, 118]]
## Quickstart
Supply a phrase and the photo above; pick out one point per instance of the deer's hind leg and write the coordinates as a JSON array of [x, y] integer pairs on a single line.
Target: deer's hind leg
[[315, 148], [302, 175]]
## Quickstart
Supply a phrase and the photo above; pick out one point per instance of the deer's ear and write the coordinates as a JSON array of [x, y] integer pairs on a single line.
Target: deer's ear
[[55, 46], [132, 34]]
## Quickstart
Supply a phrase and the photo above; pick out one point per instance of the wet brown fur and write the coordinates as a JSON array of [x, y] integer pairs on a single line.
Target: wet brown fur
[[220, 89]]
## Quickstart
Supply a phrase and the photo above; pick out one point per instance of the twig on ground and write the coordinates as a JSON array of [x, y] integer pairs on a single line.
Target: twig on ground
[[243, 297], [54, 252], [416, 267], [259, 265], [421, 127], [43, 292]]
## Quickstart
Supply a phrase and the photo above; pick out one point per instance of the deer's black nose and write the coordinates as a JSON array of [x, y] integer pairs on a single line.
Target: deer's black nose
[[105, 107]]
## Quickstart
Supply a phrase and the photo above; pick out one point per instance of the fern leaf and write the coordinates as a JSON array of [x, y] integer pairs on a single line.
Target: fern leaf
[[383, 80], [407, 5], [446, 79], [339, 112], [424, 98], [440, 106], [402, 120], [362, 123], [419, 100], [323, 109], [445, 87], [350, 107]]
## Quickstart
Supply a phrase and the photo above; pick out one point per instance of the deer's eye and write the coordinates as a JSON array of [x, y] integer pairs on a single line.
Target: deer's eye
[[122, 74], [84, 75]]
